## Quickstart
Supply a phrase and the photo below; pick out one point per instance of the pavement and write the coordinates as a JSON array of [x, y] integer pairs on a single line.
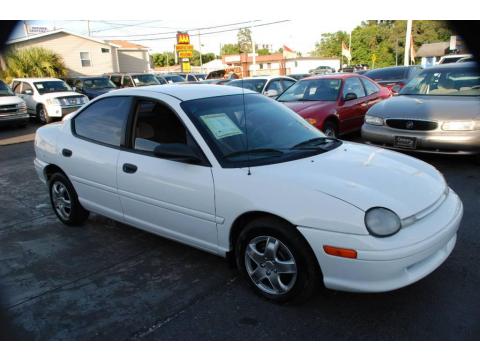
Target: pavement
[[109, 281]]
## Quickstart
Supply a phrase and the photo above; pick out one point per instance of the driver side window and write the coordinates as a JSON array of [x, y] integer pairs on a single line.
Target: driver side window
[[156, 124]]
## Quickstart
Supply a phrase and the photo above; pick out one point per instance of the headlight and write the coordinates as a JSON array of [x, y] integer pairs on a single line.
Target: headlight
[[84, 100], [374, 120], [382, 222], [458, 125], [53, 102]]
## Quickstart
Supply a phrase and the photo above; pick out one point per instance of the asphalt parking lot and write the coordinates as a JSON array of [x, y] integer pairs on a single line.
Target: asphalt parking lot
[[107, 281]]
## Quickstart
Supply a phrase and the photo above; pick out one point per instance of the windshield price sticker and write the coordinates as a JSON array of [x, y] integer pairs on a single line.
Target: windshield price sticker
[[221, 125]]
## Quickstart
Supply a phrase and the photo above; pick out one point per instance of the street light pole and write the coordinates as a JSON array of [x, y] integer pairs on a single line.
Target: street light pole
[[254, 62], [200, 50], [408, 38]]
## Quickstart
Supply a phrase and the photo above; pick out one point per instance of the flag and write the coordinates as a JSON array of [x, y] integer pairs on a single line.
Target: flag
[[346, 51], [412, 50], [288, 53]]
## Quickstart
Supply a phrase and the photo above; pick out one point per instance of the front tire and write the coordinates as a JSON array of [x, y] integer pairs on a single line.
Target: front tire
[[64, 200], [276, 261], [330, 129], [42, 115]]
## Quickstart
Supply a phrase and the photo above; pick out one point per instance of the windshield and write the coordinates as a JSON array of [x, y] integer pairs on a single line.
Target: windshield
[[387, 74], [98, 83], [5, 90], [174, 78], [201, 76], [274, 132], [145, 79], [45, 87], [312, 90], [456, 81], [250, 84]]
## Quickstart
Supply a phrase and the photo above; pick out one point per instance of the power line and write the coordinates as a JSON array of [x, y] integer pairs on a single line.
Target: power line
[[193, 29], [122, 25]]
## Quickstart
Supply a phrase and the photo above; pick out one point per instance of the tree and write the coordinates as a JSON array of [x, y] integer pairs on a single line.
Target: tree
[[230, 49], [263, 52], [167, 58], [195, 61], [330, 44], [33, 62], [244, 38]]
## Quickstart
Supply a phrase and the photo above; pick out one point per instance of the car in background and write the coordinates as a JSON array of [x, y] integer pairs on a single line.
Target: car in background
[[299, 76], [393, 77], [193, 76], [48, 99], [13, 110], [336, 103], [216, 81], [453, 58], [438, 112], [169, 78], [234, 173], [91, 86], [123, 80], [321, 70], [270, 86]]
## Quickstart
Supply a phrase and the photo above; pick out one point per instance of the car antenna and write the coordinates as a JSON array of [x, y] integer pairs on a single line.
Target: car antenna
[[246, 127]]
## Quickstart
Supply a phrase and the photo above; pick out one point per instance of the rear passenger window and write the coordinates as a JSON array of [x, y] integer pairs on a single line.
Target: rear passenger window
[[117, 80], [104, 121]]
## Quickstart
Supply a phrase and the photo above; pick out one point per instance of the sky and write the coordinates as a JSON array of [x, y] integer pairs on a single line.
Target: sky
[[299, 34]]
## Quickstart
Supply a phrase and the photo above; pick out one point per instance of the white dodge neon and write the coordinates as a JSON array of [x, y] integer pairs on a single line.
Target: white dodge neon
[[237, 174]]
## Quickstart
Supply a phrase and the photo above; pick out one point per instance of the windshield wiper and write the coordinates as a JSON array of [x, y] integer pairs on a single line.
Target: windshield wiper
[[273, 152], [312, 143]]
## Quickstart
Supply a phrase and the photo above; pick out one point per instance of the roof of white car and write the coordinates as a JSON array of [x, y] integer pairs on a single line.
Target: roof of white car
[[266, 77], [37, 79], [185, 91]]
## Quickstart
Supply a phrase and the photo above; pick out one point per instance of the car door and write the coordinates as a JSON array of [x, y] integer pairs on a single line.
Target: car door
[[27, 94], [352, 112], [89, 155], [171, 198]]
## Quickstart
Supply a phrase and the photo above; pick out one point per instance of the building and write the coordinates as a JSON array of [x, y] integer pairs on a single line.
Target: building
[[85, 55], [277, 64], [430, 54]]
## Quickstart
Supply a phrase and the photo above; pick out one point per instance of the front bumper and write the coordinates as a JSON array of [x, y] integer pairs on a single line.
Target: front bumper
[[58, 111], [14, 118], [437, 141], [390, 263]]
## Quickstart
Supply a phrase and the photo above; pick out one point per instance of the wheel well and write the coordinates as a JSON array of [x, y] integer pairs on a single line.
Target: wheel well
[[52, 169], [333, 119]]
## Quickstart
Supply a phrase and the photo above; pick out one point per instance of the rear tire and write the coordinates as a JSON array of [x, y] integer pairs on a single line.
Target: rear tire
[[330, 129], [276, 260], [64, 200]]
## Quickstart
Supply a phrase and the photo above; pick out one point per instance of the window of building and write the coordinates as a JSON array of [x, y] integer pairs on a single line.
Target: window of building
[[85, 59], [105, 50]]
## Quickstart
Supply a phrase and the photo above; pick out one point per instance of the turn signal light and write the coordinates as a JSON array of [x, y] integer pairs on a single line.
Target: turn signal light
[[334, 251], [311, 121]]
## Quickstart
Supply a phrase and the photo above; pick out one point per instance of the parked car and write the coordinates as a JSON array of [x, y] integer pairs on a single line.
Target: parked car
[[193, 76], [335, 104], [91, 86], [299, 76], [438, 111], [173, 78], [13, 110], [453, 58], [270, 86], [291, 206], [322, 70], [48, 99], [216, 81], [133, 79], [393, 77]]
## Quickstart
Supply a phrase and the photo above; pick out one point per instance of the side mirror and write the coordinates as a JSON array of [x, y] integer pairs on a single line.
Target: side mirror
[[74, 88], [177, 151], [28, 92], [350, 96], [271, 93]]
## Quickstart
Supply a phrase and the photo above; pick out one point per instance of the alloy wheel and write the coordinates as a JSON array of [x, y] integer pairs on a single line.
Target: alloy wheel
[[270, 265], [61, 200]]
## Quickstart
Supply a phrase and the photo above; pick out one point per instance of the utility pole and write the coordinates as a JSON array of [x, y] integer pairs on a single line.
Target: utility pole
[[25, 28], [350, 48], [254, 62], [396, 52], [408, 38], [200, 50], [88, 27]]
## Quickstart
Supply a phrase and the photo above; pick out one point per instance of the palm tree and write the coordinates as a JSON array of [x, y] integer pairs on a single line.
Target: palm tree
[[33, 62]]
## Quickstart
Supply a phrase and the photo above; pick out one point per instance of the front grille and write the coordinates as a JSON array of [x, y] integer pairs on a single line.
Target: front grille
[[71, 100], [7, 110], [406, 124]]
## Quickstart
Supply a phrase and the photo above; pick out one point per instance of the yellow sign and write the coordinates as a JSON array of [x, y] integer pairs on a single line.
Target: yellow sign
[[183, 38], [184, 47], [185, 54], [374, 57], [186, 66]]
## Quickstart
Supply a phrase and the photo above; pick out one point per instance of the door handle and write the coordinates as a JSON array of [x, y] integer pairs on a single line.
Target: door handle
[[129, 168], [67, 152]]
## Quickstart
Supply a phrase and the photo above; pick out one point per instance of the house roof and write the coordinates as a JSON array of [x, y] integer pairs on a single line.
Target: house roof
[[433, 49], [32, 37], [124, 44]]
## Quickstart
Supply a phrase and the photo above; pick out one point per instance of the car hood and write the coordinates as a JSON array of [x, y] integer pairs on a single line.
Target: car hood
[[60, 94], [304, 106], [10, 100], [365, 177], [428, 107]]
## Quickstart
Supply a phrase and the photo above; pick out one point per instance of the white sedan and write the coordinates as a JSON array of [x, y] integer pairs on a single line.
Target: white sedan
[[239, 175]]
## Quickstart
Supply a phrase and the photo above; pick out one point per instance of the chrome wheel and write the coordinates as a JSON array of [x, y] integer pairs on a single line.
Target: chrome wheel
[[61, 200], [270, 265], [43, 115], [329, 132]]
